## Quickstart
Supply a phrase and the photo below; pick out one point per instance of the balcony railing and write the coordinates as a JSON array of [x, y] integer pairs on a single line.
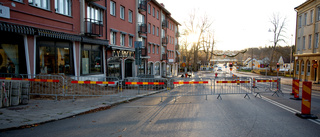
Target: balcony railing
[[142, 28], [165, 40], [93, 27], [164, 56], [142, 6], [164, 24]]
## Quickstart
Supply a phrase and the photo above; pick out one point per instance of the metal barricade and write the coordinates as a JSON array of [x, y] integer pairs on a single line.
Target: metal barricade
[[47, 85], [92, 86], [136, 87], [232, 85], [266, 85], [190, 87]]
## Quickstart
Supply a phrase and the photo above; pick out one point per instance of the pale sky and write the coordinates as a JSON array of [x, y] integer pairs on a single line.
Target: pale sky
[[239, 24]]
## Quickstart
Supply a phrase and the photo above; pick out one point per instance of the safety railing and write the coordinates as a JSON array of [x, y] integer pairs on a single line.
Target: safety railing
[[265, 85]]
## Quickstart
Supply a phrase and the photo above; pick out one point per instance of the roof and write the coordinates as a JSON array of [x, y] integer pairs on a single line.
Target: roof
[[303, 4]]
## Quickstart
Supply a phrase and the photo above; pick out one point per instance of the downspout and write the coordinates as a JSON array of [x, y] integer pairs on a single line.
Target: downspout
[[106, 48]]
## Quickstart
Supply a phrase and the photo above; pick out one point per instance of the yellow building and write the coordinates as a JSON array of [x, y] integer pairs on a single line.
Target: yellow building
[[307, 52]]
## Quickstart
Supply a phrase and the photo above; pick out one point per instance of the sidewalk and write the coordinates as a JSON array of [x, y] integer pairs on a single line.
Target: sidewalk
[[42, 111]]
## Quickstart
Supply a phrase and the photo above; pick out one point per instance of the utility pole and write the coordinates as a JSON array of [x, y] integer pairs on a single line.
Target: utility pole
[[251, 58]]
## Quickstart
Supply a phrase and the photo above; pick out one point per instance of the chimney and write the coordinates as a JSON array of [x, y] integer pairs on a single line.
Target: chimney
[[162, 4]]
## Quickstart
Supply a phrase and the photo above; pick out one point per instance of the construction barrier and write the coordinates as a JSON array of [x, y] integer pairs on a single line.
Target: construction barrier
[[190, 87], [295, 89], [229, 85], [92, 86], [306, 102], [136, 87], [13, 93], [265, 85]]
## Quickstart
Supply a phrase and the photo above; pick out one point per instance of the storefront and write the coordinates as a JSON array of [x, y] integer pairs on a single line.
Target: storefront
[[120, 62]]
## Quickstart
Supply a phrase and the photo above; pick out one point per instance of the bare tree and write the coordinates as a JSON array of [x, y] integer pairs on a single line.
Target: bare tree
[[278, 29]]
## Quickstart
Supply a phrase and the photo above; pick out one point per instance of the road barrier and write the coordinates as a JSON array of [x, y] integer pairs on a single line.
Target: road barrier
[[190, 87], [306, 102], [264, 85], [137, 87], [228, 85], [295, 89]]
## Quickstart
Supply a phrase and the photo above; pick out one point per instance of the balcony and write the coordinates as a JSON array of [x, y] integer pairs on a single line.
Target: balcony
[[177, 47], [177, 34], [164, 56], [93, 27], [165, 40], [142, 28], [164, 24], [142, 6], [144, 51]]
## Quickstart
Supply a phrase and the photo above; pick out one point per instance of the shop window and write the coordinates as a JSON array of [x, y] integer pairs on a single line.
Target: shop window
[[54, 57], [297, 67], [142, 68], [114, 68], [302, 67], [150, 68], [91, 59], [308, 68]]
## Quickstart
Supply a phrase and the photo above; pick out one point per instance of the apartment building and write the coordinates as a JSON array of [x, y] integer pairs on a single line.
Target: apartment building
[[307, 52], [87, 37]]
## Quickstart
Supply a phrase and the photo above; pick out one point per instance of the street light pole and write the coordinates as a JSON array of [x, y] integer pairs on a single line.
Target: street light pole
[[251, 58]]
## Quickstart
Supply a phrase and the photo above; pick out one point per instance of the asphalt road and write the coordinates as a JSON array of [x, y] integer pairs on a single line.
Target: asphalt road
[[183, 116]]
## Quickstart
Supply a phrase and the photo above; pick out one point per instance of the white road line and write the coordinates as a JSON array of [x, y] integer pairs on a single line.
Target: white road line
[[316, 121]]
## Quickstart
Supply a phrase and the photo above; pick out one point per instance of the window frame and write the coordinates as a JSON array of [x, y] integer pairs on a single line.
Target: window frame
[[43, 5], [90, 57], [130, 16], [112, 8], [66, 7], [122, 14]]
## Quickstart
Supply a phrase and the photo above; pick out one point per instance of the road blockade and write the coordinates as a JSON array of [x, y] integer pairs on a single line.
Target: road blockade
[[190, 87], [228, 85], [306, 102], [295, 89], [266, 85], [135, 87]]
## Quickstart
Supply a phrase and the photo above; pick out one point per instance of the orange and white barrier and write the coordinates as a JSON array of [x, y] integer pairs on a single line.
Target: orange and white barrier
[[26, 79], [144, 83], [306, 102], [92, 82], [192, 82]]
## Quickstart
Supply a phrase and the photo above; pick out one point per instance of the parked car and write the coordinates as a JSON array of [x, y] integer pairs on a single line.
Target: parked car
[[219, 69]]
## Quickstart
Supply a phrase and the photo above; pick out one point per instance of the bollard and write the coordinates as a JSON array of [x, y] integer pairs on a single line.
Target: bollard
[[295, 89], [306, 102]]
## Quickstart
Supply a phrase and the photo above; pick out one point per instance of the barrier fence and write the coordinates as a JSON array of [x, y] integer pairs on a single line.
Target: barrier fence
[[77, 86], [232, 85]]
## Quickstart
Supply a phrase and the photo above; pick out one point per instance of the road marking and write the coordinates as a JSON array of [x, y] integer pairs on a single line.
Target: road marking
[[294, 111]]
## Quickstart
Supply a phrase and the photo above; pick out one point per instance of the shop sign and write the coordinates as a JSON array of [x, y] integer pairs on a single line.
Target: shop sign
[[315, 65], [122, 53], [4, 12], [170, 60]]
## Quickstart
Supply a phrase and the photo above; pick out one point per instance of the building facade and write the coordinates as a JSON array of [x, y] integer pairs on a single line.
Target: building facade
[[307, 52], [80, 38]]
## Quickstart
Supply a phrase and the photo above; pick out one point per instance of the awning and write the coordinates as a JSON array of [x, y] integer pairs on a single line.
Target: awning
[[58, 35], [17, 28], [178, 52], [115, 47], [95, 41]]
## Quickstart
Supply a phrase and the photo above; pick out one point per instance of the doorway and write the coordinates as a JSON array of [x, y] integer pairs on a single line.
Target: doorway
[[128, 68]]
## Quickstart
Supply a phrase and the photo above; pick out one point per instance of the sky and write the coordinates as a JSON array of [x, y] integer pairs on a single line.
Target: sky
[[239, 24]]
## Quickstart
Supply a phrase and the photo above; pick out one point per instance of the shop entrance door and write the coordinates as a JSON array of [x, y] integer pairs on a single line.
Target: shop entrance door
[[128, 68]]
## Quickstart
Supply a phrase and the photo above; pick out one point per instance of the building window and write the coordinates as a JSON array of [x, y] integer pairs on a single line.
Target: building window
[[44, 4], [157, 14], [54, 56], [305, 18], [149, 8], [318, 12], [94, 19], [112, 8], [130, 16], [149, 48], [311, 16], [150, 68], [302, 67], [316, 40], [303, 42], [149, 28], [157, 49], [121, 12], [157, 31], [157, 68], [153, 29], [113, 36], [308, 68], [153, 48], [63, 7], [130, 41], [91, 59], [309, 42], [300, 21], [122, 39], [297, 67], [153, 10], [18, 1], [114, 68], [142, 68]]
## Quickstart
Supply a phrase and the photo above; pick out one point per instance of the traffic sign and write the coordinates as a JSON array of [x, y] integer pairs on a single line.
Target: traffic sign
[[315, 65], [183, 64]]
